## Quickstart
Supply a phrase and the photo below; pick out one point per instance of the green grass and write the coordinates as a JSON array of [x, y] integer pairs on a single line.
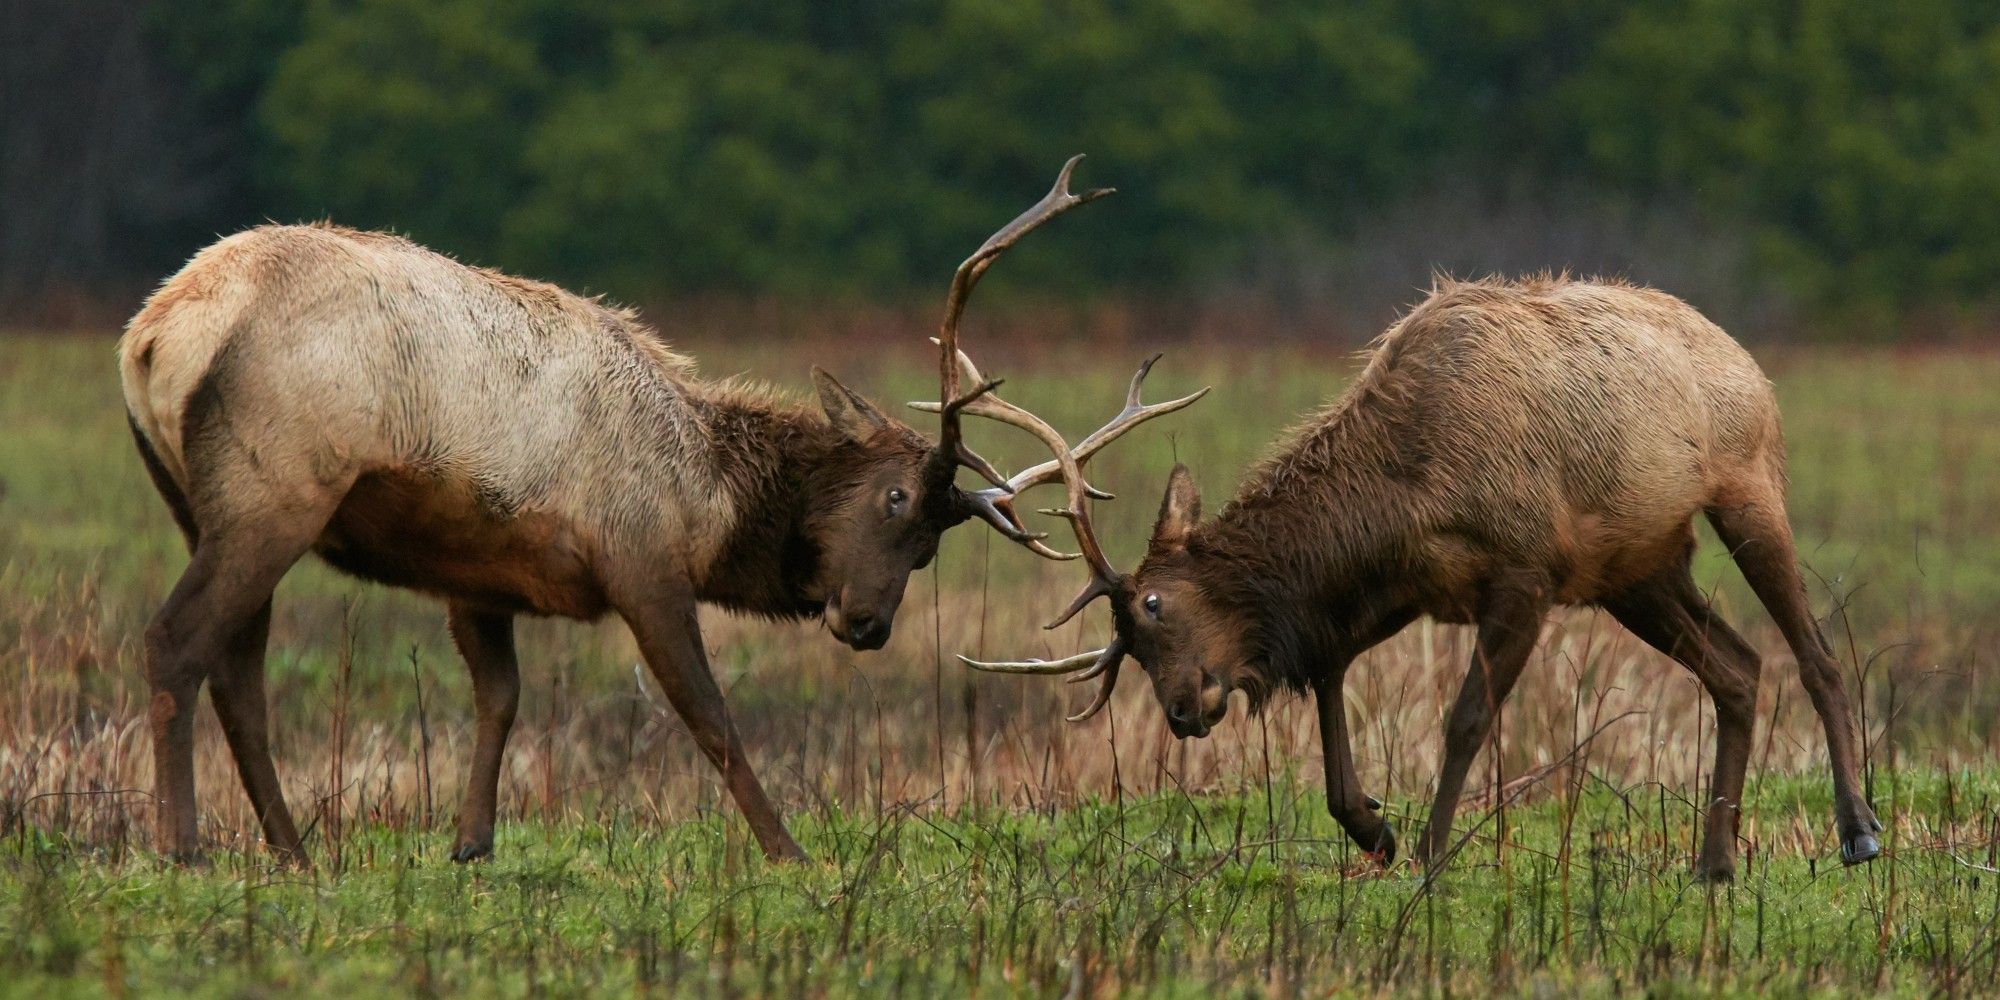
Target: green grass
[[1583, 894]]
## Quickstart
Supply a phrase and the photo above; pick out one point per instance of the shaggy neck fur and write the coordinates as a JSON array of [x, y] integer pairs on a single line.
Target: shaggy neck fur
[[1306, 555], [771, 454]]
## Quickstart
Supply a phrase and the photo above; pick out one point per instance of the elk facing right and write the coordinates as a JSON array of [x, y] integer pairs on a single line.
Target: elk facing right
[[514, 449], [1510, 447]]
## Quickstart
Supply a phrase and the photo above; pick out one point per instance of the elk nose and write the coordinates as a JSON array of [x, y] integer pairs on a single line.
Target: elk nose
[[865, 631], [1186, 721]]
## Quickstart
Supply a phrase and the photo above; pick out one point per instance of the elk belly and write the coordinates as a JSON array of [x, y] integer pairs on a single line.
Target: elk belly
[[431, 533]]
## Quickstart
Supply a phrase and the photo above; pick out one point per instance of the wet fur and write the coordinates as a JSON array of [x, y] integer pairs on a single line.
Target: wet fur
[[1572, 427], [237, 356], [506, 446], [1510, 446]]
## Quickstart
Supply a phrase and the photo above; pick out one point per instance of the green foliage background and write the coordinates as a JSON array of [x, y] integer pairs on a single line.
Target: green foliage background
[[662, 147]]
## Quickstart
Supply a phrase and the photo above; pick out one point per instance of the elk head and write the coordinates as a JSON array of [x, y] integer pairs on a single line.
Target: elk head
[[1187, 641], [896, 493], [876, 516], [1175, 652], [1162, 615]]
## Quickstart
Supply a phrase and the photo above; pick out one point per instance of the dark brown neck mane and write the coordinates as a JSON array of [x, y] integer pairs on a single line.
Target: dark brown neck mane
[[771, 455], [1308, 552]]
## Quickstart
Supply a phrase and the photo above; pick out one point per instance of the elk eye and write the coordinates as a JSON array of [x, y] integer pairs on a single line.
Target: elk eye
[[897, 498], [1153, 605]]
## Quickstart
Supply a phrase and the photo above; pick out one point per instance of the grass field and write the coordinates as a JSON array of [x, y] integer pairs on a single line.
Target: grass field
[[967, 838]]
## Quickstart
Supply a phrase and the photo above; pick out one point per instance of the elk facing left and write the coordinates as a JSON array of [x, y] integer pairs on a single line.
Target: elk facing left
[[512, 449]]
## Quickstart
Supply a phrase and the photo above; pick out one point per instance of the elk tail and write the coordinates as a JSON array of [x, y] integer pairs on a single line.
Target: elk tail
[[163, 481]]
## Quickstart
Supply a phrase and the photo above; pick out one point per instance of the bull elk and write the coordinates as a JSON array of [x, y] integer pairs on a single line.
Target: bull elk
[[1509, 447], [513, 449]]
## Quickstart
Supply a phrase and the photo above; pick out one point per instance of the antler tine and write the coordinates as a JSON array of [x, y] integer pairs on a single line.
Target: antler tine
[[1135, 413], [997, 509], [1066, 665], [1056, 202], [1108, 663], [1096, 663], [951, 437], [994, 408]]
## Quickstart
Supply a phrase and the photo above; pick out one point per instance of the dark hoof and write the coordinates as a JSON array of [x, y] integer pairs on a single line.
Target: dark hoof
[[1384, 851], [468, 852], [1856, 850]]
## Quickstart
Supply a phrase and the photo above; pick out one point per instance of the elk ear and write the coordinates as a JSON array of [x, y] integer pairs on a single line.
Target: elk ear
[[1180, 511], [845, 409]]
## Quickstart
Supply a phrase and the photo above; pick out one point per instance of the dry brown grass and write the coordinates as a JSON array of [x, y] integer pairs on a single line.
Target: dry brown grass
[[863, 731]]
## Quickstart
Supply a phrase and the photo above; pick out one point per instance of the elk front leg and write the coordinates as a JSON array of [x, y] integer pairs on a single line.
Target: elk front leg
[[1508, 629], [486, 640], [670, 639], [1356, 812]]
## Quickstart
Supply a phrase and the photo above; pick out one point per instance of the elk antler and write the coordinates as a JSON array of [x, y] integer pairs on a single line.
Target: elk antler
[[995, 504], [951, 440], [1097, 662], [1067, 465]]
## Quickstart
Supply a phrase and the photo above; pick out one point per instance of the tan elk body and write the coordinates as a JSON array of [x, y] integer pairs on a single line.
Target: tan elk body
[[362, 365], [513, 449], [1508, 448]]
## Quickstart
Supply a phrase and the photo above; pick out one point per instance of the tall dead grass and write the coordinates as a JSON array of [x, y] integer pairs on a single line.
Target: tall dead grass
[[863, 732]]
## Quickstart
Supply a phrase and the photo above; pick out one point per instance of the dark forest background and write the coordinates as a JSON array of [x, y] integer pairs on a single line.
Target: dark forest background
[[1799, 168]]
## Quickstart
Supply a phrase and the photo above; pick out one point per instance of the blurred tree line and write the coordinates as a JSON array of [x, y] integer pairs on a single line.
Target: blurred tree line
[[1840, 154]]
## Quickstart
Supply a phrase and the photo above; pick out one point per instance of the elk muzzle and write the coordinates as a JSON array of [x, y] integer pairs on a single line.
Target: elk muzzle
[[1199, 711], [862, 625]]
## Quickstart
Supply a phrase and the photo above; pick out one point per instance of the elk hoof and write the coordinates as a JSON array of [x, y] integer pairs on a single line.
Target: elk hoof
[[1384, 851], [472, 851], [1857, 849]]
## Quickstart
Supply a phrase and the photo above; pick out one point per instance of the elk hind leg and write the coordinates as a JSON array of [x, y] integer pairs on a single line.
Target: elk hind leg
[[1760, 540], [1669, 613], [205, 626], [237, 689]]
